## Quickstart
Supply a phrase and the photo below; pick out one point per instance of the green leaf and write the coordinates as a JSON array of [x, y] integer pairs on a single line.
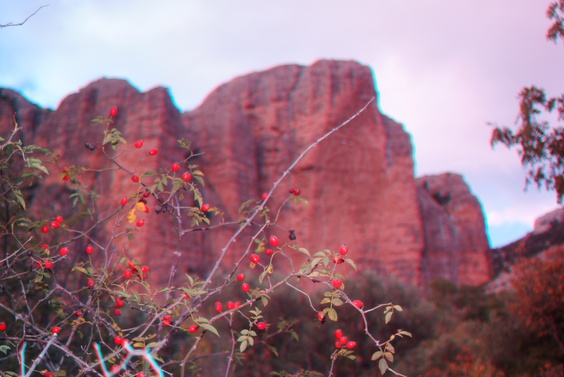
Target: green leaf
[[388, 317], [243, 346], [19, 197], [4, 349], [332, 314], [376, 355], [398, 308], [383, 366], [303, 250], [209, 327], [406, 333], [272, 349], [351, 262], [389, 356]]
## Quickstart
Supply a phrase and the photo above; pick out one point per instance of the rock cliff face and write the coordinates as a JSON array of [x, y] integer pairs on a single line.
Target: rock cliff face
[[456, 245], [359, 182]]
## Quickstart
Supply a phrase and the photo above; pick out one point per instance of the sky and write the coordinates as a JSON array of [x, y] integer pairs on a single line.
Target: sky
[[443, 68]]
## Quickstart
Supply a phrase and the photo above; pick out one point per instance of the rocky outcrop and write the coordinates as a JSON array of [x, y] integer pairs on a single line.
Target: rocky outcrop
[[456, 245], [359, 182]]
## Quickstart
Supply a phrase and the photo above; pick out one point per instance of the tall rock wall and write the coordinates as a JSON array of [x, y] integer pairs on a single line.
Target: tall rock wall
[[359, 182]]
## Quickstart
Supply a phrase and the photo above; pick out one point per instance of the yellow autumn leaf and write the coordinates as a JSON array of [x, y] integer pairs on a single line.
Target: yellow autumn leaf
[[140, 206], [131, 216]]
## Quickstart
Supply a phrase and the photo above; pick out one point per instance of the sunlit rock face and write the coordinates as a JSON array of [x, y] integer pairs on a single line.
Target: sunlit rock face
[[359, 182]]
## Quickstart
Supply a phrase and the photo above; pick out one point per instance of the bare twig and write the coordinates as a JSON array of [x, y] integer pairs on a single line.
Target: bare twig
[[24, 21]]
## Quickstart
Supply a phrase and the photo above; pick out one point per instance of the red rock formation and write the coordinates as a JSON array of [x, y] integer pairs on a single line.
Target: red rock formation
[[359, 182], [456, 245]]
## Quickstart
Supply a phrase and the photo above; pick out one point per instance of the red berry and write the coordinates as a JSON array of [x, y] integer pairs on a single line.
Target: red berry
[[245, 287], [48, 264], [115, 369], [45, 246], [359, 304], [344, 249], [338, 345], [64, 251], [297, 192], [175, 167], [55, 224], [117, 312], [127, 274], [146, 194], [337, 283], [56, 330], [140, 223], [3, 326], [274, 241], [291, 190], [338, 334], [167, 320], [60, 219], [218, 307], [140, 374], [90, 283], [343, 340], [351, 344], [66, 177], [153, 151], [321, 317], [255, 258], [264, 196], [124, 201], [135, 178], [139, 144], [119, 302], [89, 249], [269, 252], [45, 228], [78, 313], [186, 176], [144, 269], [338, 260], [193, 328], [113, 111], [237, 304], [262, 325], [241, 276], [230, 305], [206, 207], [118, 340]]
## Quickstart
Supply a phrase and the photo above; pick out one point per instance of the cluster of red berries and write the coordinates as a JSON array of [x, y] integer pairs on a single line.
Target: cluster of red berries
[[230, 305], [343, 341], [167, 320], [343, 250], [118, 304], [66, 173], [294, 191], [140, 271], [54, 224]]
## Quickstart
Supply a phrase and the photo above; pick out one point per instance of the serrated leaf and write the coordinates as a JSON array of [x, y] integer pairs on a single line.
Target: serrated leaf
[[332, 314], [376, 355], [243, 346], [388, 317], [272, 349], [406, 333], [78, 268], [209, 327], [382, 365], [303, 250], [19, 197], [351, 262]]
